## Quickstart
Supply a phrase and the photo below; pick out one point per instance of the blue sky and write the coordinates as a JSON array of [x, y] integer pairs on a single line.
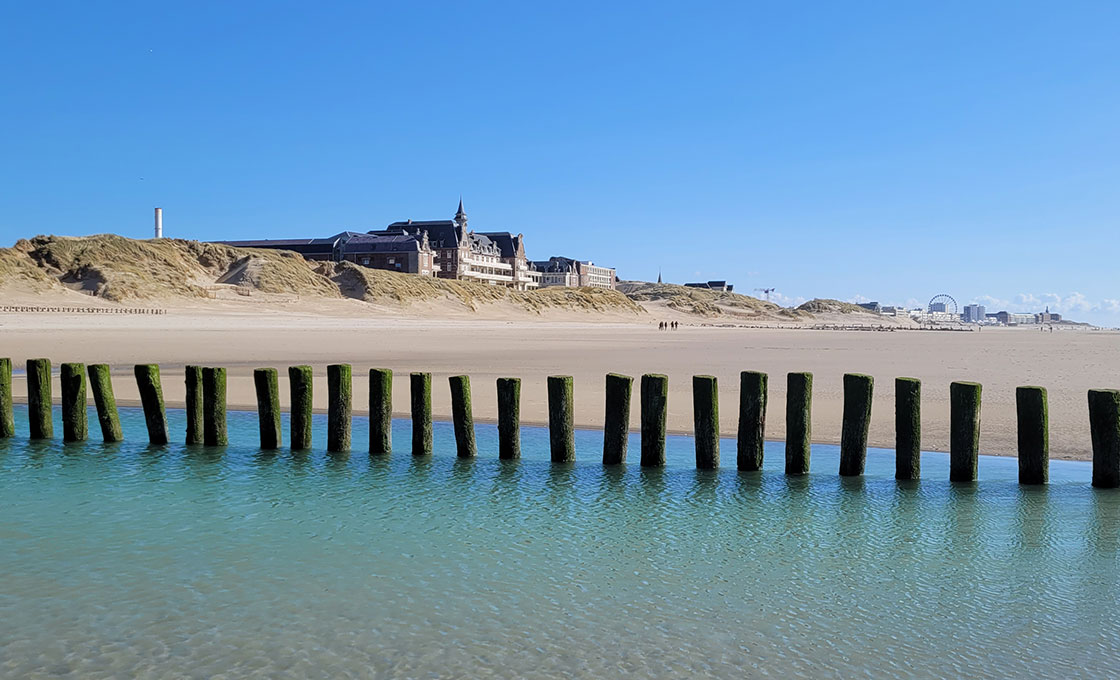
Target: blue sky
[[856, 150]]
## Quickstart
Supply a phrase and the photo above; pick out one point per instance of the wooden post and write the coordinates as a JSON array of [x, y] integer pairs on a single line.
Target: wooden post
[[461, 416], [267, 383], [380, 411], [1104, 425], [655, 402], [421, 388], [1033, 434], [705, 419], [214, 406], [151, 397], [7, 415], [799, 423], [509, 418], [616, 421], [102, 386], [752, 420], [857, 420], [75, 427], [561, 433], [194, 405], [300, 390], [964, 431], [339, 405], [907, 428], [39, 416]]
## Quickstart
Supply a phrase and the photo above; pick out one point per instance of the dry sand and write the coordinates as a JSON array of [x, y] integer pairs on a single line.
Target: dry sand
[[242, 336]]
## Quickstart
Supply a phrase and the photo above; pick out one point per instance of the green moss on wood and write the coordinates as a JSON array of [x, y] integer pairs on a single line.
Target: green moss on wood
[[509, 418], [799, 422], [964, 431], [1104, 426], [616, 419], [858, 390], [561, 432], [72, 379], [461, 417], [101, 383], [194, 405], [267, 384], [654, 389], [151, 398], [300, 388], [908, 428], [380, 411], [420, 386], [40, 420], [339, 407], [751, 438], [1033, 433], [705, 419], [7, 413], [214, 431]]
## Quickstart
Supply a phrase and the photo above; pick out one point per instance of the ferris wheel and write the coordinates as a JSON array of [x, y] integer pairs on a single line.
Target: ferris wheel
[[942, 303]]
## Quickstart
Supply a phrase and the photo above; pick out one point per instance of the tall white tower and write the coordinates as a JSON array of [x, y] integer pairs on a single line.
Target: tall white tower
[[159, 222]]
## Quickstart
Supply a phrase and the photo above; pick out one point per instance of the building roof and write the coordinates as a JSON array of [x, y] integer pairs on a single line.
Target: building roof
[[374, 243]]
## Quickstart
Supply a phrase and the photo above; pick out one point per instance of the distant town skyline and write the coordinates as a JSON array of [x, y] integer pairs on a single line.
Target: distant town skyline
[[859, 152]]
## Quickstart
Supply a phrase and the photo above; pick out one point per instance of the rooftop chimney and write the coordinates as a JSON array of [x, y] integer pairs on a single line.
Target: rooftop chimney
[[159, 222]]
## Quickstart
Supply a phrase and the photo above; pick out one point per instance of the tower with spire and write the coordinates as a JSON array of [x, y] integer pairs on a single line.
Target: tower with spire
[[461, 216]]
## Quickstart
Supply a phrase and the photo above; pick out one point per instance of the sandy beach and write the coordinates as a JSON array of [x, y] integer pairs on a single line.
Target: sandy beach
[[242, 337]]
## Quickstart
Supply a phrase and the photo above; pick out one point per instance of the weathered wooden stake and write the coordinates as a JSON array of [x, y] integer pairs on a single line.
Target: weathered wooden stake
[[339, 407], [151, 397], [799, 423], [421, 388], [461, 416], [907, 428], [752, 420], [72, 378], [7, 414], [655, 402], [705, 420], [616, 421], [964, 431], [194, 405], [1034, 435], [101, 384], [857, 420], [509, 418], [1104, 424], [561, 432], [39, 417], [300, 391], [214, 406], [267, 383], [380, 411]]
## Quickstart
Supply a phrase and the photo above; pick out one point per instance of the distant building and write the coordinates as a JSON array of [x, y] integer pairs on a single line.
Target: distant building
[[938, 307], [564, 271], [713, 285], [1016, 319], [974, 314], [871, 306], [1049, 317]]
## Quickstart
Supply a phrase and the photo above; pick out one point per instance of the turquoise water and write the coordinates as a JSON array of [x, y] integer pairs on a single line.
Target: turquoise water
[[128, 561]]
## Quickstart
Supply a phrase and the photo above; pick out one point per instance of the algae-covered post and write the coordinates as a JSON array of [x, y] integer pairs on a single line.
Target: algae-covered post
[[655, 402], [380, 411], [7, 414], [339, 405], [509, 418], [39, 417], [561, 433], [194, 405], [420, 385], [151, 398], [1104, 425], [964, 431], [461, 416], [214, 406], [72, 378], [857, 420], [752, 420], [1033, 435], [799, 427], [300, 390], [616, 420], [267, 384], [705, 419], [907, 428], [102, 385]]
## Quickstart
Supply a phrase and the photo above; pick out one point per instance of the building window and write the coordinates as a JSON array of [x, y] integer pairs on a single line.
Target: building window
[[365, 260]]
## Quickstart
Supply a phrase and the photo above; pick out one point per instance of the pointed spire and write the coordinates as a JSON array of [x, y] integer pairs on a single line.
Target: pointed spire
[[461, 215], [460, 211], [659, 274]]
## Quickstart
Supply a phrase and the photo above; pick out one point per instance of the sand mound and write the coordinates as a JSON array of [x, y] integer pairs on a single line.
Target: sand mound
[[703, 302], [827, 306]]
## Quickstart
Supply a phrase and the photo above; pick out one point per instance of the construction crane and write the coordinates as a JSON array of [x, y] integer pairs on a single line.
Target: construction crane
[[766, 292]]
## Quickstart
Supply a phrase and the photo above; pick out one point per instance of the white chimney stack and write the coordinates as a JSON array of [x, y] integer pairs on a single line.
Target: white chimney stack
[[159, 222]]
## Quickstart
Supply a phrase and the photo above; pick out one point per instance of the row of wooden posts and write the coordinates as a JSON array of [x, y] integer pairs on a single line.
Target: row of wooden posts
[[206, 417]]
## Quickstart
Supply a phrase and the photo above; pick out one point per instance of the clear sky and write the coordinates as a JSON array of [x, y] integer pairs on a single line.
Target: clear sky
[[856, 150]]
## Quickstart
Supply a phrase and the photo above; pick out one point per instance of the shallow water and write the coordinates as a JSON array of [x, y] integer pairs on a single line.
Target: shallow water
[[129, 561]]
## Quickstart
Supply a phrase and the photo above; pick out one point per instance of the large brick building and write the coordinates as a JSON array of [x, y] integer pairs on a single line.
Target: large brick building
[[564, 271]]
